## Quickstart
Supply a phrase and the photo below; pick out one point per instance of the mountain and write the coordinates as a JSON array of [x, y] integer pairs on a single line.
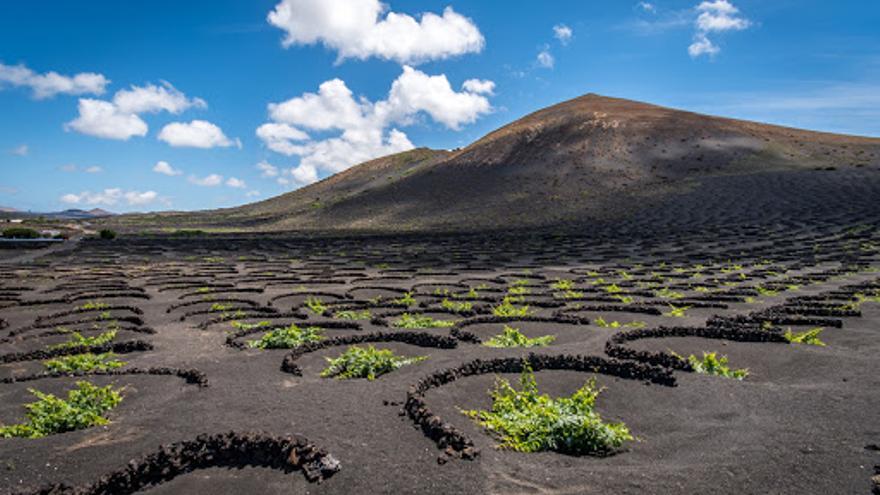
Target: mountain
[[590, 159], [71, 214]]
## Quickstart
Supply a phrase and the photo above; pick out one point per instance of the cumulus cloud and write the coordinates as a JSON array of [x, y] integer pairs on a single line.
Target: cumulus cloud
[[152, 99], [280, 138], [164, 168], [236, 183], [365, 128], [702, 45], [195, 134], [545, 59], [110, 197], [212, 180], [365, 28], [50, 83], [104, 120], [479, 86], [717, 16], [647, 7], [563, 33], [414, 91], [252, 193], [94, 169], [720, 15], [267, 169], [120, 118]]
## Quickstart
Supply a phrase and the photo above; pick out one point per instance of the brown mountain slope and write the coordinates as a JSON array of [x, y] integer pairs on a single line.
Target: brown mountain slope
[[590, 158]]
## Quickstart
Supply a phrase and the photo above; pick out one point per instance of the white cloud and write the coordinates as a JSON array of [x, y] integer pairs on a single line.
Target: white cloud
[[365, 127], [364, 28], [304, 174], [647, 7], [102, 119], [280, 137], [212, 180], [120, 118], [414, 91], [94, 169], [720, 15], [702, 45], [20, 150], [51, 83], [110, 197], [479, 86], [237, 183], [152, 99], [140, 198], [195, 134], [252, 193], [545, 59], [163, 167], [563, 33], [267, 169], [333, 107], [717, 16]]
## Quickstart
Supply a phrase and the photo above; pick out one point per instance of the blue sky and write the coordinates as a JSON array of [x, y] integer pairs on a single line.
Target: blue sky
[[191, 83]]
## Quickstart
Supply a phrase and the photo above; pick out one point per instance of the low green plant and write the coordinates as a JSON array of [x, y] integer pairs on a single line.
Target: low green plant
[[509, 310], [600, 322], [408, 320], [677, 311], [234, 315], [568, 294], [766, 292], [711, 364], [219, 307], [512, 337], [249, 326], [85, 406], [456, 306], [808, 337], [406, 300], [519, 290], [471, 294], [563, 284], [527, 421], [287, 337], [84, 363], [107, 234], [612, 289], [366, 362], [92, 305], [623, 299], [351, 314], [77, 340], [315, 305], [667, 293]]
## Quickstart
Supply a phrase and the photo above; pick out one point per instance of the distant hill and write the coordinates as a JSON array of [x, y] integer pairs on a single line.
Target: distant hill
[[589, 159], [71, 214]]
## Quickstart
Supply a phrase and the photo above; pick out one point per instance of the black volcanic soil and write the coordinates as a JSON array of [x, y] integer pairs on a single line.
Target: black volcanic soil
[[799, 424]]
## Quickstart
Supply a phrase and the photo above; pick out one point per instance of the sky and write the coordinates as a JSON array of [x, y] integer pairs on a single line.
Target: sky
[[170, 105]]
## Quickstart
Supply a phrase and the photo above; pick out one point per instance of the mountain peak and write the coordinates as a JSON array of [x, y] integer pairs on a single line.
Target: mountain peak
[[588, 158]]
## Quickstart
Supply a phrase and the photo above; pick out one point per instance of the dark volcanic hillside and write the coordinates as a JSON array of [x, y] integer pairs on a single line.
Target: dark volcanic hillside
[[589, 159]]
